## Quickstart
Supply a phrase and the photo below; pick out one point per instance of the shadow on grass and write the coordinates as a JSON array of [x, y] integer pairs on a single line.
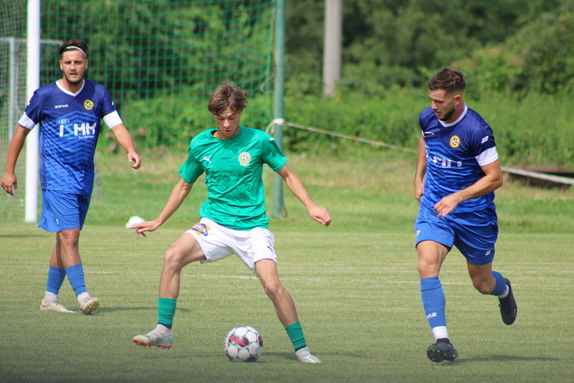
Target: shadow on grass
[[119, 308], [165, 354], [505, 358]]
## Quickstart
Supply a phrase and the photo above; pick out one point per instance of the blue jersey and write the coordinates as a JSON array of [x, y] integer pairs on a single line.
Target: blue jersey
[[69, 128], [455, 153]]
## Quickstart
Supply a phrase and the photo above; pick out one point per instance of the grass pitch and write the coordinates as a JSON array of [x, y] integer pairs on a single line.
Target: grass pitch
[[355, 285], [357, 295]]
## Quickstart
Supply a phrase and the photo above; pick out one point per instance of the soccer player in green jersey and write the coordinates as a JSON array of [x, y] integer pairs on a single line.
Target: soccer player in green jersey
[[233, 218]]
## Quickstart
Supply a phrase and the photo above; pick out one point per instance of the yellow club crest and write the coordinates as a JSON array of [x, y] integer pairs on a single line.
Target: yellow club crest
[[89, 104], [454, 142]]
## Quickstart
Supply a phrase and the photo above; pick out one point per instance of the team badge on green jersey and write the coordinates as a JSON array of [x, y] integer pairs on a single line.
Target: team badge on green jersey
[[244, 159]]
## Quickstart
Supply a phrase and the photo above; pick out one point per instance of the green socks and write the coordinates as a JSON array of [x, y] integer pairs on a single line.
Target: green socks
[[295, 333], [166, 311]]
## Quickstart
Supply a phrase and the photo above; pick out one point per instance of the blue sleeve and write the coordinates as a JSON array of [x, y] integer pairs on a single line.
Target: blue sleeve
[[108, 105], [482, 138], [34, 108], [424, 118]]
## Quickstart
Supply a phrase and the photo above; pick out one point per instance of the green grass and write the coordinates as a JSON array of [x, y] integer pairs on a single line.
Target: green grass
[[355, 285], [356, 293]]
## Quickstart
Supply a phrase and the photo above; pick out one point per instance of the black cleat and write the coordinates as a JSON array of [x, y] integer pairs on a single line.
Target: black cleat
[[442, 350], [508, 307]]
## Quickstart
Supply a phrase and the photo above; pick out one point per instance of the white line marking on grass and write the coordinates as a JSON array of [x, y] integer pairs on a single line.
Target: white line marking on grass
[[330, 280]]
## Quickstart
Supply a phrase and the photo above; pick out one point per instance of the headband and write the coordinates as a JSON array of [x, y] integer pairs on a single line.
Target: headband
[[73, 47]]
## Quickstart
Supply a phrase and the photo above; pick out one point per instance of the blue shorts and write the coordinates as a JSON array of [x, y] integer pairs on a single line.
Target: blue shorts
[[473, 233], [63, 211]]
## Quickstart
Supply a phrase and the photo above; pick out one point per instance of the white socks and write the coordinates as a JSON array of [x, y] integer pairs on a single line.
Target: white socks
[[50, 297], [82, 297]]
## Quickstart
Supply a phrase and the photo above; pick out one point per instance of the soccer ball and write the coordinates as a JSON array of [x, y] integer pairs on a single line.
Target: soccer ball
[[243, 344]]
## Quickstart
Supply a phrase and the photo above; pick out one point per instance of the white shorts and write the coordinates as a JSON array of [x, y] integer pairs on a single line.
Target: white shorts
[[218, 242]]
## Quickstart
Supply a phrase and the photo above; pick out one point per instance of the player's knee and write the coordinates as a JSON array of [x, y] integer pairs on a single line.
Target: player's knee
[[483, 287], [69, 239], [173, 258], [273, 289]]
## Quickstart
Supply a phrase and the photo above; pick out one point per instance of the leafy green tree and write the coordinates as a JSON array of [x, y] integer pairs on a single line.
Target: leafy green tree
[[546, 45], [397, 42]]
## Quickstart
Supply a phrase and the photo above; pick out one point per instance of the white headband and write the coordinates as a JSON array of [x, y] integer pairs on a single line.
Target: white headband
[[73, 47]]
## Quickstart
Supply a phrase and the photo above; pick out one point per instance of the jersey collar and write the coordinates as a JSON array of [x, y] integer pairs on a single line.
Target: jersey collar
[[67, 91], [457, 120]]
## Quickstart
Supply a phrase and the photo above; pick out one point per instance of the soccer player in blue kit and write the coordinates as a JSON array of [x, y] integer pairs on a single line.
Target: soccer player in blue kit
[[68, 112], [456, 175], [233, 218]]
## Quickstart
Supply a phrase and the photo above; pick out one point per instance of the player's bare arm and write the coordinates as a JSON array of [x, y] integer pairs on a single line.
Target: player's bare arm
[[421, 170], [9, 180], [125, 140], [318, 213], [176, 198], [491, 181]]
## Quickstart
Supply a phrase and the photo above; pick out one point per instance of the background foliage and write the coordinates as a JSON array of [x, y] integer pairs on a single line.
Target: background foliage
[[393, 42], [517, 56]]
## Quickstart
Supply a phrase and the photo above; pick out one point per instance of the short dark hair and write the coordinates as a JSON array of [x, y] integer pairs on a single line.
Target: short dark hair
[[74, 44], [449, 79], [227, 96]]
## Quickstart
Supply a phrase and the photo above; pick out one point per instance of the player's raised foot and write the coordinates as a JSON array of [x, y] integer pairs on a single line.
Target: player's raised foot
[[442, 350], [154, 338], [305, 356], [54, 306], [508, 307], [89, 305]]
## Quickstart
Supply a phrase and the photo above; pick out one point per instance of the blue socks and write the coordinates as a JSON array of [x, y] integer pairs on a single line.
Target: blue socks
[[76, 278], [501, 286], [55, 279], [434, 301]]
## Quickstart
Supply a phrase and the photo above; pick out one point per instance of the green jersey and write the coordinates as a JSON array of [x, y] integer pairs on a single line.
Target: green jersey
[[233, 170]]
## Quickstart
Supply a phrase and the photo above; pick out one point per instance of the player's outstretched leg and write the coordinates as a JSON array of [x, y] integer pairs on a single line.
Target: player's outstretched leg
[[508, 307], [442, 350], [161, 337]]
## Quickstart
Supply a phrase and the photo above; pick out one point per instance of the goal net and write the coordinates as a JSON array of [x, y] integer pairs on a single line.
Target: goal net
[[160, 61]]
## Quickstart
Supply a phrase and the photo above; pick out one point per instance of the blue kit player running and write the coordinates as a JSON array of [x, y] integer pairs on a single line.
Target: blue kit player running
[[68, 112], [456, 175], [233, 218]]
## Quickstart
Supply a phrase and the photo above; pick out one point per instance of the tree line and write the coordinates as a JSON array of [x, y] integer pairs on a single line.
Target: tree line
[[519, 46]]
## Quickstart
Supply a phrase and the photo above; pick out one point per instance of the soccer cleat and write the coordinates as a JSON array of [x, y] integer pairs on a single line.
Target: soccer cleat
[[508, 307], [154, 338], [54, 306], [305, 356], [89, 305], [442, 350]]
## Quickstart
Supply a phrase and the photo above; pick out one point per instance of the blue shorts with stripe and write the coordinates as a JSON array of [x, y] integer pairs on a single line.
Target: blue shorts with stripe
[[473, 233]]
